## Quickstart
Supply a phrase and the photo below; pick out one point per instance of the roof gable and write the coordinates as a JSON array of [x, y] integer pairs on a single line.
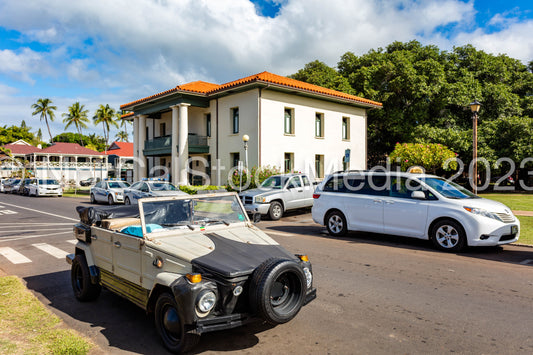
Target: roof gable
[[69, 149], [122, 149]]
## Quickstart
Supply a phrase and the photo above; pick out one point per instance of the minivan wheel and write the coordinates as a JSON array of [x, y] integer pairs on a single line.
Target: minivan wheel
[[448, 235], [336, 224], [276, 211]]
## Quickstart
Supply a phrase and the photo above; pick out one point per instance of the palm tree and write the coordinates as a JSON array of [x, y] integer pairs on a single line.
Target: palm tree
[[44, 108], [106, 116], [122, 136], [76, 115]]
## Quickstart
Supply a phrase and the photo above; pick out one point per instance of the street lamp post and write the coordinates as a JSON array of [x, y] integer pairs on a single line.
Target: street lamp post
[[474, 107], [245, 139]]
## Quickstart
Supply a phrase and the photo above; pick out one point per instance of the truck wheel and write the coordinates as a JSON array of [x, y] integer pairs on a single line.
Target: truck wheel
[[80, 278], [277, 290], [170, 327], [276, 211]]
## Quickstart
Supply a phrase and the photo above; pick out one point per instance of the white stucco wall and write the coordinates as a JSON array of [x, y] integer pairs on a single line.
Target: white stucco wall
[[303, 144]]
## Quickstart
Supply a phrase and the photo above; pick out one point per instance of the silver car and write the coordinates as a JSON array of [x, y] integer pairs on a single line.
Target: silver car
[[142, 189], [109, 191]]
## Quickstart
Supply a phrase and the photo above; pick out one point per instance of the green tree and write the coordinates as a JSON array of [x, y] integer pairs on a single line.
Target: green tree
[[107, 117], [122, 136], [45, 109], [14, 133], [76, 115], [318, 73]]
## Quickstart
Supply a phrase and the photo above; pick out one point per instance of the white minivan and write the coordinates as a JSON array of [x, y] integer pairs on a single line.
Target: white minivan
[[412, 205]]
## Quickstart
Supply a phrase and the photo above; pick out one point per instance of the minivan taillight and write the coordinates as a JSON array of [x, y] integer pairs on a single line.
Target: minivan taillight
[[315, 196]]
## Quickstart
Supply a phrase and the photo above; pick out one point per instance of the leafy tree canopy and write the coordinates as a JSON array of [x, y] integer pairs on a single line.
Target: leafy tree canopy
[[426, 92], [91, 141]]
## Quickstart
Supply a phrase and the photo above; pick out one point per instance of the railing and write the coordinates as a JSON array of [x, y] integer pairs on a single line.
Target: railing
[[162, 145]]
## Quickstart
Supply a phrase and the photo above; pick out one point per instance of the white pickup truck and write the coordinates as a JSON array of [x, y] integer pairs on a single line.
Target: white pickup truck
[[279, 193]]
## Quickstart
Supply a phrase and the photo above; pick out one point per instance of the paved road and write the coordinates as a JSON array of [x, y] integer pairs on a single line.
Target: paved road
[[376, 294]]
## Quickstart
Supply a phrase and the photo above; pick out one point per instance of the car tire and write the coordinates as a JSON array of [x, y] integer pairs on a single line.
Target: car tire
[[174, 334], [84, 289], [448, 235], [336, 224], [93, 200], [277, 290], [127, 201], [110, 200], [275, 212]]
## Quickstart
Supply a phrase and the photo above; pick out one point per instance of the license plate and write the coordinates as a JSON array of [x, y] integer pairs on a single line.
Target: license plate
[[514, 229]]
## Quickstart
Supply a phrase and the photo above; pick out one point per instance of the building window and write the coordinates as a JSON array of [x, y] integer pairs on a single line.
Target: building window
[[235, 120], [319, 125], [147, 133], [162, 162], [289, 121], [346, 128], [162, 129], [289, 162], [235, 158], [208, 124], [319, 166]]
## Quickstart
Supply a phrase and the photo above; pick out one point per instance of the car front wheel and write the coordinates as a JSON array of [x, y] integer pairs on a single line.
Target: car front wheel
[[84, 289], [336, 224], [127, 201], [110, 200], [93, 200], [448, 235], [170, 327]]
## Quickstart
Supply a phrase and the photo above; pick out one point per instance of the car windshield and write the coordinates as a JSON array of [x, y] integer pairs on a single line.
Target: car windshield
[[275, 182], [118, 185], [191, 212], [162, 186], [48, 182], [448, 189]]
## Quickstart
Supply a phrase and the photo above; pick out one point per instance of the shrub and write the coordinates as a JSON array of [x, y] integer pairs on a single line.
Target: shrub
[[431, 156], [253, 179]]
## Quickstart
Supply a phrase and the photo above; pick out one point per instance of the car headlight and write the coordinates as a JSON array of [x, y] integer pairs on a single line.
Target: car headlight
[[118, 194], [260, 199], [308, 277], [482, 212], [206, 301]]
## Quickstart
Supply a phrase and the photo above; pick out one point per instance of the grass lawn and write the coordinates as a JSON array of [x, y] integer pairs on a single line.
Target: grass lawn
[[518, 202], [27, 327]]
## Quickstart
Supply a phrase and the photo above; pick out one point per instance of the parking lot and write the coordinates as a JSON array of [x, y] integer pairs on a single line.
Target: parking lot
[[376, 294]]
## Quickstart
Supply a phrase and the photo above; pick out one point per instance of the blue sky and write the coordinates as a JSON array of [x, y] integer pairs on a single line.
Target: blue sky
[[101, 52]]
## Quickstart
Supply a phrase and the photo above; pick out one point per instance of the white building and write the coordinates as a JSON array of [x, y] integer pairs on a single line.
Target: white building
[[291, 124]]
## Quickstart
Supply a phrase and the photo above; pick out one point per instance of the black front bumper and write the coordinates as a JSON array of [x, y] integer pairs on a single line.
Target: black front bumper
[[236, 320]]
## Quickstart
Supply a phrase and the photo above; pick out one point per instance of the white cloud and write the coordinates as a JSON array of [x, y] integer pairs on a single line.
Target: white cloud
[[126, 49]]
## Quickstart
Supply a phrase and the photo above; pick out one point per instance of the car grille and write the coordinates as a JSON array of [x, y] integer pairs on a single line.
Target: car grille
[[247, 200], [506, 217]]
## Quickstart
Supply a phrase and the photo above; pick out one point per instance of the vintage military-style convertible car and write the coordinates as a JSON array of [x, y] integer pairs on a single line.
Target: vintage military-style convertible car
[[196, 262]]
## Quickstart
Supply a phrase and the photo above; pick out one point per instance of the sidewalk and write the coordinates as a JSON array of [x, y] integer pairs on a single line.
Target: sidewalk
[[523, 213]]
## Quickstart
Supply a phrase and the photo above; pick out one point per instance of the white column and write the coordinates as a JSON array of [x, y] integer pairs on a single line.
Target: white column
[[142, 138], [136, 149], [174, 165], [183, 149]]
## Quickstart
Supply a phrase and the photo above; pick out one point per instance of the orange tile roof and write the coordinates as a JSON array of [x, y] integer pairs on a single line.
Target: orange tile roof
[[122, 149], [204, 88]]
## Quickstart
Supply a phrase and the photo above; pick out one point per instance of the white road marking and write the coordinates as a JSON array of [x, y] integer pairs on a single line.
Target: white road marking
[[14, 256], [38, 230], [280, 233], [72, 241], [20, 237], [31, 209], [527, 261], [47, 248], [7, 224]]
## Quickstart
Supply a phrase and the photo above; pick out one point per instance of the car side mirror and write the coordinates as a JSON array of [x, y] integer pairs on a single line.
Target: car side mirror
[[418, 195], [256, 217]]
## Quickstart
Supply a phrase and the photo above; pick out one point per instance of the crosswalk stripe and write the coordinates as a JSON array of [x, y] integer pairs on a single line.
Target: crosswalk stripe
[[72, 241], [14, 256], [47, 248]]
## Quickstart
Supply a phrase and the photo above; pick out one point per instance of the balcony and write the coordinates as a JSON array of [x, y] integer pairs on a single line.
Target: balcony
[[162, 145]]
